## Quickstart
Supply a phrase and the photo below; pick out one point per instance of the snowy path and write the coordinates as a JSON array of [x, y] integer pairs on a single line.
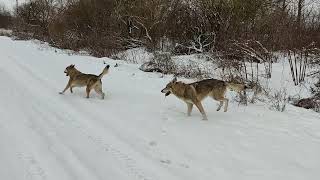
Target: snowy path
[[135, 133]]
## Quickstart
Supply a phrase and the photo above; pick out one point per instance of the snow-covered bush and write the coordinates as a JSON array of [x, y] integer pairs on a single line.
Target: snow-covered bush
[[192, 70], [5, 32], [135, 55], [278, 100], [161, 62]]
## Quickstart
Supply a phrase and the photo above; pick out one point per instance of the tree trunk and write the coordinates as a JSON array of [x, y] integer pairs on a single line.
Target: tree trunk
[[299, 19], [17, 4]]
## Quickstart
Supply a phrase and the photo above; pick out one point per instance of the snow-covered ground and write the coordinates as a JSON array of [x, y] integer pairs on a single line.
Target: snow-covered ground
[[11, 4], [136, 133], [5, 32]]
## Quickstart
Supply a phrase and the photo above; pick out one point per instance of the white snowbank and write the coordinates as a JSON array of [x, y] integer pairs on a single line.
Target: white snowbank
[[136, 133]]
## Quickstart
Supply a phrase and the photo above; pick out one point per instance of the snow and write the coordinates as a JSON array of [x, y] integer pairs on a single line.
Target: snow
[[5, 32], [11, 4], [136, 133], [134, 55]]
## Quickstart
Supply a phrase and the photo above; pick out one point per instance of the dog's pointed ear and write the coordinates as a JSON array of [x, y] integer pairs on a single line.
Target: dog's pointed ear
[[72, 65], [174, 79]]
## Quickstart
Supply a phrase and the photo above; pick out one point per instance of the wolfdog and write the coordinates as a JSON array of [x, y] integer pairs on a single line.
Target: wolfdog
[[194, 93], [79, 79]]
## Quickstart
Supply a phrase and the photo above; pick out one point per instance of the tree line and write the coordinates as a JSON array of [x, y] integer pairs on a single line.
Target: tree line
[[5, 17], [103, 27]]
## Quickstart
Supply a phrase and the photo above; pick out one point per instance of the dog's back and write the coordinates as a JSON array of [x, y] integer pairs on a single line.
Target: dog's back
[[82, 79], [210, 87]]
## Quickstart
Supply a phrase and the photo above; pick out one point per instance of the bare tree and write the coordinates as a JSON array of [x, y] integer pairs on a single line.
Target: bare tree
[[17, 5]]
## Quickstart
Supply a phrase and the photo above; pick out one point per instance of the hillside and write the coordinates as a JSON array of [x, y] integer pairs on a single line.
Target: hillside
[[137, 133]]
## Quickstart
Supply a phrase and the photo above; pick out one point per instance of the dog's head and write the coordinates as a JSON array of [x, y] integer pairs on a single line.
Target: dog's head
[[69, 69], [168, 89]]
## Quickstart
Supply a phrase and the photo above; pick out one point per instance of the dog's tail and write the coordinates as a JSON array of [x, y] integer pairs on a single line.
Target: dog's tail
[[105, 71], [236, 87]]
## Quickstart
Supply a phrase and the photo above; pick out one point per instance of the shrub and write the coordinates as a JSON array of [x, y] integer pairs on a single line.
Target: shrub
[[278, 100]]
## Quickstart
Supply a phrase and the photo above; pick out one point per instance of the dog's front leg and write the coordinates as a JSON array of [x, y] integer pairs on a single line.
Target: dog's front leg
[[190, 106], [66, 88], [200, 107]]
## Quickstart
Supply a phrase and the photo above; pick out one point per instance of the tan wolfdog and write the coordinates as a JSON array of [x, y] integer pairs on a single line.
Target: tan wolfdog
[[79, 79], [194, 93]]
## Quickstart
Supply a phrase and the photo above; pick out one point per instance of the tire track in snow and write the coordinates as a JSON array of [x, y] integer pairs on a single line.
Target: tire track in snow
[[35, 171], [130, 163]]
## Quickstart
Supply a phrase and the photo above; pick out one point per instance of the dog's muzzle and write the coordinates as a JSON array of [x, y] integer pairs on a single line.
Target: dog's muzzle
[[167, 92], [67, 74]]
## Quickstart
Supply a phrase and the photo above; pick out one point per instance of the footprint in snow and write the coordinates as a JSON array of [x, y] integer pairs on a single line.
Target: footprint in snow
[[167, 161], [153, 143]]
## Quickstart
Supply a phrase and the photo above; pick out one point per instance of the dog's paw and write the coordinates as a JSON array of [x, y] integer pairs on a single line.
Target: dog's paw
[[205, 119], [60, 92]]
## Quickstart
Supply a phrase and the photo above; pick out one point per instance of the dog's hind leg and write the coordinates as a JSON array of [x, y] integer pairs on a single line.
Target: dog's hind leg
[[190, 106], [98, 89], [71, 89], [219, 98], [226, 102], [88, 89], [220, 105], [200, 107]]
